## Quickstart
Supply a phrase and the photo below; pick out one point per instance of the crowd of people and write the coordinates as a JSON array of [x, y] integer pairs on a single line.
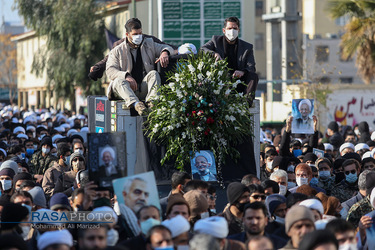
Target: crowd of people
[[300, 201]]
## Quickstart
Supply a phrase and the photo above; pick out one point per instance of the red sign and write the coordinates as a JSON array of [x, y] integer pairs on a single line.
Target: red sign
[[100, 106]]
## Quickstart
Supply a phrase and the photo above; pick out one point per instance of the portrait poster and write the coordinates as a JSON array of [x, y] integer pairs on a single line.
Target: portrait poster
[[136, 191], [319, 153], [107, 157], [302, 112], [203, 166], [370, 232]]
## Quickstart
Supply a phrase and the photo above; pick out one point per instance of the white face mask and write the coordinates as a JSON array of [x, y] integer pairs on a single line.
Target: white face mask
[[231, 34], [291, 184], [137, 39], [112, 237], [46, 150], [205, 215], [7, 184], [25, 232], [269, 165], [78, 151], [351, 246], [282, 190], [280, 220], [302, 181]]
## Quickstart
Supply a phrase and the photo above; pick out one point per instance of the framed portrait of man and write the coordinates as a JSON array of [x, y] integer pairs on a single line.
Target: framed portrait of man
[[203, 166], [302, 112], [107, 157], [134, 192]]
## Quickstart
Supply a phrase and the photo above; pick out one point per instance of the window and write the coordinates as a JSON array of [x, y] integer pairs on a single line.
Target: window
[[259, 8], [342, 21], [259, 41], [325, 79], [346, 79], [322, 53]]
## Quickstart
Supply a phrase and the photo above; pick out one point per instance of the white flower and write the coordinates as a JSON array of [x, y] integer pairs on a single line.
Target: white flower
[[179, 94], [193, 141], [178, 125], [191, 68], [236, 128], [200, 66], [189, 84], [216, 92], [170, 127], [232, 118], [227, 118], [171, 103], [241, 94], [186, 119], [200, 76], [209, 73], [183, 135], [236, 83], [223, 141], [156, 125], [220, 73], [171, 85], [165, 128], [227, 92], [163, 108], [199, 128], [154, 130], [176, 75]]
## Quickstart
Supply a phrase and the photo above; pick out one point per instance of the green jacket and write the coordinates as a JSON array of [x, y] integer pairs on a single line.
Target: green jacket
[[39, 164]]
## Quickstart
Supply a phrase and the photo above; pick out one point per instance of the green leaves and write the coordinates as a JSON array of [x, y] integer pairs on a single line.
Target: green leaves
[[75, 41], [359, 34], [199, 109]]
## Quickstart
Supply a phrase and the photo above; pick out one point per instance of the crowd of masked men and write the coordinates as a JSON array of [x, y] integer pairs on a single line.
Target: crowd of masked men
[[300, 201]]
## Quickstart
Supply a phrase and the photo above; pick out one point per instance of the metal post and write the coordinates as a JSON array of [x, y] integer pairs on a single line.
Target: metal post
[[255, 110], [134, 8]]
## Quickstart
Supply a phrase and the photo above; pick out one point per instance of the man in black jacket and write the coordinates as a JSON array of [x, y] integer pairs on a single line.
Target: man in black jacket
[[335, 138], [238, 53]]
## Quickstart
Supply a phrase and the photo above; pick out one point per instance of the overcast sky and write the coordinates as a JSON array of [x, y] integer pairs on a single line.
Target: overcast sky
[[7, 12]]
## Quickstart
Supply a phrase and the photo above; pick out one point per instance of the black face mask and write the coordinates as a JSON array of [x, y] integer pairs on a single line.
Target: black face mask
[[101, 202], [241, 206]]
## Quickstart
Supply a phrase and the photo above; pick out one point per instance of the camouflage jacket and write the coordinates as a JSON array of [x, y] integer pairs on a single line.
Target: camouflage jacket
[[328, 184], [39, 164], [344, 191], [358, 210]]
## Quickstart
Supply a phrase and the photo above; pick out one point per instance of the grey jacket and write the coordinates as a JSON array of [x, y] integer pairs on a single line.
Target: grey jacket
[[120, 63], [245, 54]]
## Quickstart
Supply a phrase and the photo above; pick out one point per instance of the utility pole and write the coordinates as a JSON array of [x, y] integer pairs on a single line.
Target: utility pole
[[282, 21]]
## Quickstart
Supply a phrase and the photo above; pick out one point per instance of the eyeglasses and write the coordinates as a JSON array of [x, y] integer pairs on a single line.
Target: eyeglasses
[[78, 159], [258, 196], [348, 172]]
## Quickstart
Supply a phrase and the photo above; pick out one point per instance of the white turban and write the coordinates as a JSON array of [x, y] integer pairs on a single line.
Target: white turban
[[360, 146], [19, 129], [205, 154], [304, 101], [187, 48], [110, 150], [328, 146], [177, 225], [55, 237], [347, 145], [215, 226], [313, 204]]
